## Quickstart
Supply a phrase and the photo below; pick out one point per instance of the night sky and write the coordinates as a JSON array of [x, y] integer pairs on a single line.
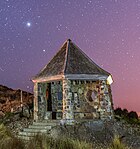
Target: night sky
[[108, 31]]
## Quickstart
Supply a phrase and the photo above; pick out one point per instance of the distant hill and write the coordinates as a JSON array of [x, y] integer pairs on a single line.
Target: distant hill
[[10, 99]]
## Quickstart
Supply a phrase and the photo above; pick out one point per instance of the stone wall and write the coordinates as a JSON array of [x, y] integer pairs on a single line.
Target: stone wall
[[57, 96], [76, 99], [87, 100], [41, 100], [68, 103]]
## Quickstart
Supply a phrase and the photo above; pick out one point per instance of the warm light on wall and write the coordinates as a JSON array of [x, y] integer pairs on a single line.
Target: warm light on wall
[[109, 80], [34, 81]]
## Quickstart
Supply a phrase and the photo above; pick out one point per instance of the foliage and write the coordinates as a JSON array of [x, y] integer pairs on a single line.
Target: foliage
[[118, 111], [12, 143], [45, 142], [7, 118], [131, 117], [125, 112], [8, 141], [4, 132], [116, 144]]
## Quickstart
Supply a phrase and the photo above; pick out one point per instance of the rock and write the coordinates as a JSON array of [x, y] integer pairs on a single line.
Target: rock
[[26, 112], [2, 114]]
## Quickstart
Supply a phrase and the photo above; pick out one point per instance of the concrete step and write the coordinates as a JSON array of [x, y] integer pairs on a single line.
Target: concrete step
[[40, 127], [33, 130]]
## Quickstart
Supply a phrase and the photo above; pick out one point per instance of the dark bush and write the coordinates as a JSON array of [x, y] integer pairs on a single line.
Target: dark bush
[[132, 115]]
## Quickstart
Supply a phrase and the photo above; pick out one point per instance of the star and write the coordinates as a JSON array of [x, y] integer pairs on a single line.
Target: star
[[28, 24]]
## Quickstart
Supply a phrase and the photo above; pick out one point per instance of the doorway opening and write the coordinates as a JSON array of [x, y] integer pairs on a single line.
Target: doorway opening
[[48, 97], [49, 102], [53, 115]]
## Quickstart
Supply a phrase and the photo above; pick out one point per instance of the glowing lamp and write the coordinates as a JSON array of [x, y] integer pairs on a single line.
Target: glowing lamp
[[109, 80]]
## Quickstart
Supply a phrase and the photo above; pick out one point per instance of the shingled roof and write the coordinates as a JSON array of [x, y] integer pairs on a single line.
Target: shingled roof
[[70, 59]]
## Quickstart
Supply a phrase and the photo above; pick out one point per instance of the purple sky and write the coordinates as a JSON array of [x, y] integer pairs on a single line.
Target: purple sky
[[108, 31]]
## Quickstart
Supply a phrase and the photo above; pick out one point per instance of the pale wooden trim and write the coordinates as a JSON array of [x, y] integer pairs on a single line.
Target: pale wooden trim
[[47, 79], [72, 77], [35, 101]]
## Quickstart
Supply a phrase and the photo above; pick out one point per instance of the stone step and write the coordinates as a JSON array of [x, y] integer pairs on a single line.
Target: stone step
[[40, 127], [51, 121], [25, 138], [45, 124], [30, 134], [35, 130]]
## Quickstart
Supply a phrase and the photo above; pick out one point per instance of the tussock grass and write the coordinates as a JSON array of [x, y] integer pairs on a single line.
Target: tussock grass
[[4, 132], [45, 142], [8, 141], [117, 144]]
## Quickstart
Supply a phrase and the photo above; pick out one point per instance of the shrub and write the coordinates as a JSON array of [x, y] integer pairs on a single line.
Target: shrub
[[132, 115], [118, 111]]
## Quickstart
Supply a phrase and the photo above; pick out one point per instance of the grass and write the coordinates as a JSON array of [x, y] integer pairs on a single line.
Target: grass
[[45, 142], [8, 141]]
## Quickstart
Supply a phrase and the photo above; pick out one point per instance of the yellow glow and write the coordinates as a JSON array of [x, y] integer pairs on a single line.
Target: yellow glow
[[109, 80]]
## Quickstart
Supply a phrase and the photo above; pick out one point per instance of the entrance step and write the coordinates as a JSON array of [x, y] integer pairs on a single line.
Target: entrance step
[[51, 121], [44, 124], [30, 134], [25, 138], [36, 128], [40, 127]]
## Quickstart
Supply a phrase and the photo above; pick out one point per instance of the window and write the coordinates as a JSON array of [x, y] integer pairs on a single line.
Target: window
[[60, 96], [91, 95]]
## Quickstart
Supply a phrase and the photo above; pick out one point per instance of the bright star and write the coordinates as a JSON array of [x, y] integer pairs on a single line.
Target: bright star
[[28, 24]]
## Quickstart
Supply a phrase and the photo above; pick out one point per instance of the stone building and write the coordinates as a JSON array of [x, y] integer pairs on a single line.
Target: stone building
[[72, 87]]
